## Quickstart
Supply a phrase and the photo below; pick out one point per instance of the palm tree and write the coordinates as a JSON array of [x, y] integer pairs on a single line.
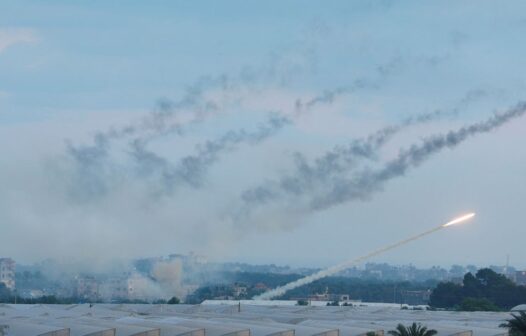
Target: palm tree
[[412, 330], [516, 325]]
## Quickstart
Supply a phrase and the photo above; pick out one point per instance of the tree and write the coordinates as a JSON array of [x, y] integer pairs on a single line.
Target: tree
[[174, 300], [302, 303], [471, 286], [5, 293], [446, 295], [516, 325], [413, 330], [482, 291]]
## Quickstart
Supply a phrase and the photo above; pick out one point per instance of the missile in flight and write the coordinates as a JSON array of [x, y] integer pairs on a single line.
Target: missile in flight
[[342, 266]]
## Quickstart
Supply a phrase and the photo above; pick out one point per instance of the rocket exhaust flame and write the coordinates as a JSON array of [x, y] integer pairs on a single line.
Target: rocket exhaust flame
[[460, 219], [340, 267]]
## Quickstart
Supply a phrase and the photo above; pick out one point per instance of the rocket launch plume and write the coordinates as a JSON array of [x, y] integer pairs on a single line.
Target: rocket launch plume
[[342, 266]]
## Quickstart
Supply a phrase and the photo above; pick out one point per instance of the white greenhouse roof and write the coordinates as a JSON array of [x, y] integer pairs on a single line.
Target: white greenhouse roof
[[228, 319]]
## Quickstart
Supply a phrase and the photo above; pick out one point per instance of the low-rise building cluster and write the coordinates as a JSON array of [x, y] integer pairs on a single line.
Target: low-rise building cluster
[[7, 273]]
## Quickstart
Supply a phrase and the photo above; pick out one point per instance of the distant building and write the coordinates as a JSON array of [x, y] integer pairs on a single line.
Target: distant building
[[239, 290], [260, 286], [7, 272], [520, 278], [87, 288], [416, 297], [197, 258], [343, 298]]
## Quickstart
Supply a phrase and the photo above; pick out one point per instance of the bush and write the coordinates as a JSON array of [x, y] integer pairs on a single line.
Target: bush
[[174, 300], [474, 304]]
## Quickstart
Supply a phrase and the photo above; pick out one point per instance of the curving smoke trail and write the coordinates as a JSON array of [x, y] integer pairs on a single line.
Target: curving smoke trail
[[93, 161], [196, 104], [209, 95], [332, 164], [382, 73], [369, 181], [191, 169], [325, 180]]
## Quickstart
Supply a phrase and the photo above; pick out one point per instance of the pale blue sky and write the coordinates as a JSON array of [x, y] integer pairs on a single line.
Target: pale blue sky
[[71, 69]]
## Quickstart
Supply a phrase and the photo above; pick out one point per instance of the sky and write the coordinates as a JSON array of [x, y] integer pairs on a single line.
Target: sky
[[300, 133]]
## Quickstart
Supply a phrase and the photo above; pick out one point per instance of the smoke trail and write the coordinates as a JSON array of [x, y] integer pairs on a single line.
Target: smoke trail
[[370, 181], [383, 71], [191, 169], [160, 121], [328, 96], [332, 167], [332, 164], [197, 105], [194, 107], [340, 267], [92, 173]]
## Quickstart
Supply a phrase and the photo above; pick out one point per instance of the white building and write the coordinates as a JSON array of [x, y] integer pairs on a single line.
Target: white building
[[7, 272]]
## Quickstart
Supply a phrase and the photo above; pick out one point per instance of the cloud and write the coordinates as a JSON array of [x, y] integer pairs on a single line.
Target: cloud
[[12, 36]]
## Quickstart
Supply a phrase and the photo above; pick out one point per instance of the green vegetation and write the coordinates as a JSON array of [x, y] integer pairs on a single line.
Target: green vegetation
[[4, 292], [516, 325], [484, 291], [174, 300], [302, 303], [367, 290], [412, 330], [475, 304]]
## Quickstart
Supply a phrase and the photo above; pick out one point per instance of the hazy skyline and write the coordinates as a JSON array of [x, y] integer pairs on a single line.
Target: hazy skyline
[[302, 133]]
